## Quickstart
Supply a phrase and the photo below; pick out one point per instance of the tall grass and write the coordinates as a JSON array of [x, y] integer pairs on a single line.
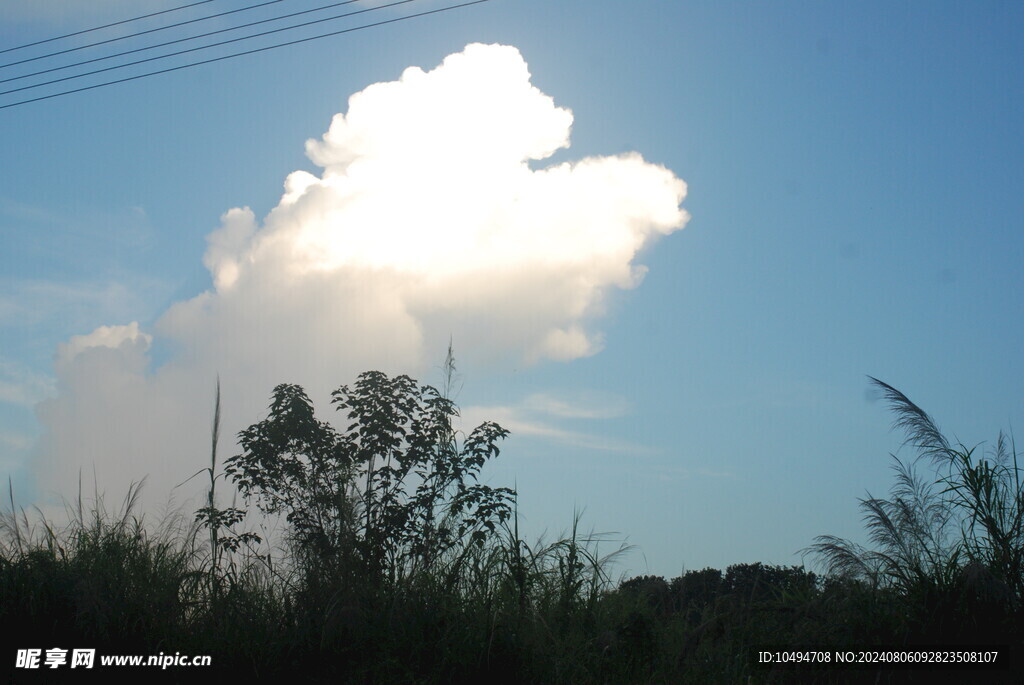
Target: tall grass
[[945, 562], [949, 545], [542, 612], [107, 580], [103, 574]]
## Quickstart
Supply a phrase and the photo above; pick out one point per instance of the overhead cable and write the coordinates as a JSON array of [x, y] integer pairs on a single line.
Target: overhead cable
[[203, 47], [247, 52], [105, 26], [175, 42], [142, 33]]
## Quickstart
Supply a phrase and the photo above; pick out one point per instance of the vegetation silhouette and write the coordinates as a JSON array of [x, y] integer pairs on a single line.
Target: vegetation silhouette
[[386, 499], [400, 566], [949, 549]]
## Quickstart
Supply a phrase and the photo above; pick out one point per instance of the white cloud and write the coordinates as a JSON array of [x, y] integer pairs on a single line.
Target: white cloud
[[110, 337], [427, 222]]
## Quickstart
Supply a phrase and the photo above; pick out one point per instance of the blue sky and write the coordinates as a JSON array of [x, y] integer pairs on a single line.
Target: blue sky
[[852, 173]]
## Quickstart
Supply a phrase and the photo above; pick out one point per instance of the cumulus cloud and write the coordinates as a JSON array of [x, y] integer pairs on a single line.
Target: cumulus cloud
[[426, 222], [110, 337]]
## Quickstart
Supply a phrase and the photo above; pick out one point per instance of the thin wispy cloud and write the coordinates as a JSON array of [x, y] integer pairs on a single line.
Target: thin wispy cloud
[[21, 386], [74, 305], [579, 406], [15, 440], [427, 222], [556, 419], [84, 238]]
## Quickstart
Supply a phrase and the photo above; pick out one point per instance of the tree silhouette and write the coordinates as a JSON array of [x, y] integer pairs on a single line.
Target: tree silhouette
[[392, 494]]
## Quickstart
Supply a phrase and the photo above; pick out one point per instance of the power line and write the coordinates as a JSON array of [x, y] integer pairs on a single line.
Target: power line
[[247, 52], [203, 47], [105, 26], [175, 42], [142, 33]]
